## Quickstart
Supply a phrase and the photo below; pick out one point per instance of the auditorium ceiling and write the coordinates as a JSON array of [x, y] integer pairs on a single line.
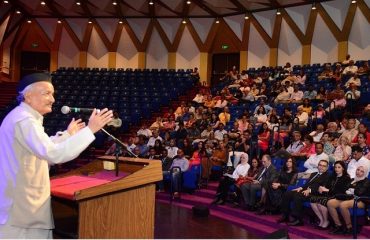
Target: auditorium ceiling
[[143, 8]]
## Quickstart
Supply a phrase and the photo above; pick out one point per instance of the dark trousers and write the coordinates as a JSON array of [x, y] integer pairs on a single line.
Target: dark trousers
[[297, 198], [249, 191], [223, 187]]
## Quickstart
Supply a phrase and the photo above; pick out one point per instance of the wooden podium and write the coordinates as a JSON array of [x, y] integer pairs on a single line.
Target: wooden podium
[[122, 208]]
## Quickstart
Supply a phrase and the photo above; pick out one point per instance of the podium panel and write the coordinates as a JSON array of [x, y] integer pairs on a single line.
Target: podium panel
[[122, 207]]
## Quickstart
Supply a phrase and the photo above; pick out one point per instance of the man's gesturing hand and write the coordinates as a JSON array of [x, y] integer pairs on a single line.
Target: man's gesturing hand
[[98, 119]]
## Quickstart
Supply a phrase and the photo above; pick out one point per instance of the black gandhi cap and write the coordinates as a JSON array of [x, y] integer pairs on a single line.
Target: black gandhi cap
[[33, 78]]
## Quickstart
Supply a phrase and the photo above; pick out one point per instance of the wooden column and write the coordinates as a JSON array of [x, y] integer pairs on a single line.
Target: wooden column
[[205, 68], [83, 59], [112, 59], [306, 54], [53, 60], [273, 57], [342, 50], [243, 60], [141, 60], [171, 60]]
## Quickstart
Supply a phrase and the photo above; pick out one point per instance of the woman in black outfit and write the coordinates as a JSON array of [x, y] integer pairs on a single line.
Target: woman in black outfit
[[338, 183], [287, 176]]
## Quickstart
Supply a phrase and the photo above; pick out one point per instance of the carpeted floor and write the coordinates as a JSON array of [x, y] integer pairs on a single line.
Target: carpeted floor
[[256, 224]]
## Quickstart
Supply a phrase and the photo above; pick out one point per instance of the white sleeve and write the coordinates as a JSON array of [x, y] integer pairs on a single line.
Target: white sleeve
[[60, 137], [31, 135]]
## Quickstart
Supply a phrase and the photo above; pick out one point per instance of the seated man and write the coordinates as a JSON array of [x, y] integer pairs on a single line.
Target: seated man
[[264, 178], [166, 165], [358, 160], [312, 162], [301, 194], [183, 163]]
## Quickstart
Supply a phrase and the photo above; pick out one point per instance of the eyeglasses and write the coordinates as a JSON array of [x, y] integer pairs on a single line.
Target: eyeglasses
[[322, 165]]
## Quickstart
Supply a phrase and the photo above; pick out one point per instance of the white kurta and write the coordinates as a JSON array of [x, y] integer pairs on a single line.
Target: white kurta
[[26, 152]]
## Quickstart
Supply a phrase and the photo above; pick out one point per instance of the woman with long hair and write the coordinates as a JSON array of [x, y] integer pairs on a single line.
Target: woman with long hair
[[338, 183], [264, 137], [198, 154]]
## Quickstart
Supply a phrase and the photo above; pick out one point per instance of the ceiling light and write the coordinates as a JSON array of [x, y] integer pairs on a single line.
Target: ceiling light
[[278, 12], [246, 17], [353, 1], [78, 3], [188, 2], [29, 21], [151, 2], [18, 12], [43, 3], [184, 21], [89, 21], [114, 3], [217, 21], [59, 21], [120, 21], [313, 6], [6, 1]]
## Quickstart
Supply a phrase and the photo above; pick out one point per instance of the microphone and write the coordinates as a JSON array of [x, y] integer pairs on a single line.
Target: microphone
[[66, 110]]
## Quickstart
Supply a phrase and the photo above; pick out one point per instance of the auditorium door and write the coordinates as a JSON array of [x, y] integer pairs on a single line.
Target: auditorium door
[[222, 62], [32, 62]]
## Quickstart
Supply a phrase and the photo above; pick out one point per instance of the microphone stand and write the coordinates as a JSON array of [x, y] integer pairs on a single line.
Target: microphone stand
[[119, 145]]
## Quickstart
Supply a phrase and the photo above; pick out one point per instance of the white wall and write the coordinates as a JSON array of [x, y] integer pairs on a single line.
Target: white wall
[[68, 55], [127, 56], [258, 51], [97, 53], [359, 40], [187, 55], [324, 46], [290, 48], [156, 53]]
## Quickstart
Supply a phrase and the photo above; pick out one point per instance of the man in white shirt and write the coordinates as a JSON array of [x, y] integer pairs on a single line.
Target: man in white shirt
[[312, 162], [302, 116], [144, 131], [172, 149], [220, 132], [351, 68], [152, 139], [358, 160], [297, 144], [26, 154]]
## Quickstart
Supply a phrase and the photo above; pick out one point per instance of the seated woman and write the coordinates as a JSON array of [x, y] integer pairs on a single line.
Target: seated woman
[[240, 171], [274, 196], [307, 150], [264, 137], [343, 151], [261, 116], [198, 155], [285, 129], [360, 186], [338, 183]]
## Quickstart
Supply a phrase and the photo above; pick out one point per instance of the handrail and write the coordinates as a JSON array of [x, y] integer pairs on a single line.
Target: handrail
[[350, 102], [355, 202], [273, 134], [331, 112], [296, 124]]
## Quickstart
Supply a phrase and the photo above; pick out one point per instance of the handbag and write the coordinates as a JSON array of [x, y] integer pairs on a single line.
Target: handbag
[[242, 180], [343, 197]]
